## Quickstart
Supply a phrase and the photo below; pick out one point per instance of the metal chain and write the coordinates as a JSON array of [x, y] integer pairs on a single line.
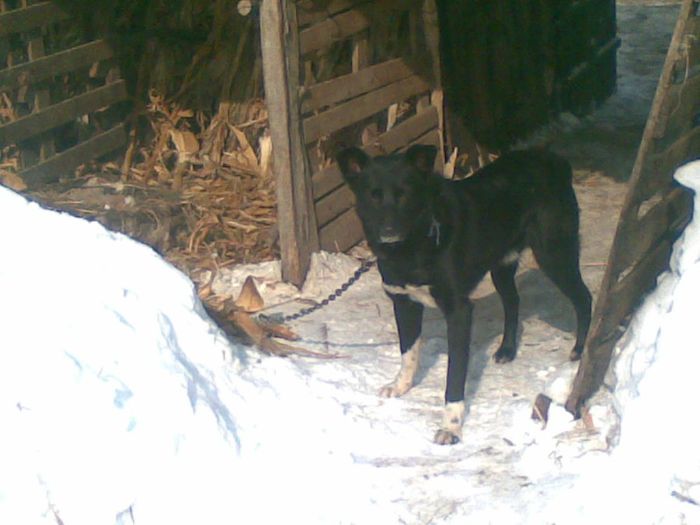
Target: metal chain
[[364, 268]]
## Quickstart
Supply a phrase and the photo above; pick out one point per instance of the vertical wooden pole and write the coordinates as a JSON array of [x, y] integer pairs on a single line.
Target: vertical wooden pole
[[432, 39], [42, 97], [296, 217], [602, 338]]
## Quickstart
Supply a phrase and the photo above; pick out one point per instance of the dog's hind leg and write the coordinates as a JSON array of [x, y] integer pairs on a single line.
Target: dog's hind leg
[[559, 260], [503, 277], [409, 319]]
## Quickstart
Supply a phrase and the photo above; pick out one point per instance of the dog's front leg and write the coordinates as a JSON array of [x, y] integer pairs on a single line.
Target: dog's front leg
[[409, 318], [459, 321]]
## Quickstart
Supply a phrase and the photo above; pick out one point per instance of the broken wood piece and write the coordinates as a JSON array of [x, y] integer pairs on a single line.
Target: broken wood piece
[[540, 410], [249, 300], [278, 329], [260, 338]]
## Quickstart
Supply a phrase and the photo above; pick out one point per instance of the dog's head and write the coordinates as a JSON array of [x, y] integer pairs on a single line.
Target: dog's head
[[392, 192]]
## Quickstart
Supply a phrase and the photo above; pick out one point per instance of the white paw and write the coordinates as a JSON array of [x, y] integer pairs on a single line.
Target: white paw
[[395, 389], [450, 432], [447, 437]]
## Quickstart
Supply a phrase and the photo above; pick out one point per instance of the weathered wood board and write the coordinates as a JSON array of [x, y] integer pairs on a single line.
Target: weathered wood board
[[35, 133], [334, 78], [655, 210]]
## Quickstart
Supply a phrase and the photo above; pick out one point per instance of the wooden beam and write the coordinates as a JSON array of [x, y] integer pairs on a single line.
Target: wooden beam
[[295, 213], [333, 204], [596, 358], [407, 131], [348, 23], [361, 107], [66, 111], [616, 299], [310, 12], [51, 169], [646, 232], [342, 233], [22, 20], [353, 84], [42, 96], [333, 29], [680, 111], [52, 65], [431, 28]]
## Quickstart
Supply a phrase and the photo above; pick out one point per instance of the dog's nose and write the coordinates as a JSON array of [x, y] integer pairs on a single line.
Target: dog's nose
[[389, 234]]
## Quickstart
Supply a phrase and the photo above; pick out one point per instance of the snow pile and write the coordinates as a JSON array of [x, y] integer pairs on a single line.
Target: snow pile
[[120, 402], [658, 386]]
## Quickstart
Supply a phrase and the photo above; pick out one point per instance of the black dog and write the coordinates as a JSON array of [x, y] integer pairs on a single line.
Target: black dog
[[435, 240]]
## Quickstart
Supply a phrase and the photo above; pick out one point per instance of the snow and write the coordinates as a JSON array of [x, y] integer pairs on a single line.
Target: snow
[[121, 403]]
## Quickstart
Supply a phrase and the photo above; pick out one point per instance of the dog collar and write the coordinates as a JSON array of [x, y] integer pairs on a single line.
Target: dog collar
[[434, 230]]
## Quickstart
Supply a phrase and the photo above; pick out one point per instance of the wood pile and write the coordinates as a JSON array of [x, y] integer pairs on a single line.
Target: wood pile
[[200, 192]]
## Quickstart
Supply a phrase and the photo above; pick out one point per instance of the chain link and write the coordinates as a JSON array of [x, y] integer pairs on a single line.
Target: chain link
[[364, 268]]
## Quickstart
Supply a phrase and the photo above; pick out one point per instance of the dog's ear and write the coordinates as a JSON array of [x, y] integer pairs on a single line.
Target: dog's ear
[[352, 162], [422, 157]]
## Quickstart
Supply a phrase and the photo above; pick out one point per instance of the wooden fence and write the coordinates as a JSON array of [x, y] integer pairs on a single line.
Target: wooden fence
[[340, 73], [57, 93], [656, 209]]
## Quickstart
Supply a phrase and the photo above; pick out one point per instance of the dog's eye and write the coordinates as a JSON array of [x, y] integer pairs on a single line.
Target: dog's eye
[[377, 194]]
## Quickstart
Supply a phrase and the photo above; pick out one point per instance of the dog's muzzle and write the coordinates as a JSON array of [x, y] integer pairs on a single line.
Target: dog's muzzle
[[388, 235]]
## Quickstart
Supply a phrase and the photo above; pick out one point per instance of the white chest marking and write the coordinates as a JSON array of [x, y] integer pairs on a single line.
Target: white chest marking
[[420, 294]]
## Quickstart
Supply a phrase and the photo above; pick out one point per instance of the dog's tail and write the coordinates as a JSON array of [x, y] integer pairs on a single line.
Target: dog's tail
[[559, 168]]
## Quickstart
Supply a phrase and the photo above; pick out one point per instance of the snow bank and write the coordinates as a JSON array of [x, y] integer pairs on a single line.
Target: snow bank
[[120, 402], [658, 387], [653, 474]]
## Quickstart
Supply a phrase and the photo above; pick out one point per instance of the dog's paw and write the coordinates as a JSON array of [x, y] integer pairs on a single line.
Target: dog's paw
[[395, 389], [446, 437], [505, 354], [575, 354]]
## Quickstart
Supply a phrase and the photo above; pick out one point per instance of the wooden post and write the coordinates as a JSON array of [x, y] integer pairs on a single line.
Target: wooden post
[[295, 213], [432, 38], [608, 313], [42, 97]]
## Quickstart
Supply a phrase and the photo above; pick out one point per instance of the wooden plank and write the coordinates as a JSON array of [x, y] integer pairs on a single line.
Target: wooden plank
[[59, 164], [644, 233], [629, 291], [52, 65], [407, 131], [432, 138], [616, 299], [42, 97], [334, 204], [665, 162], [342, 233], [348, 23], [310, 12], [361, 107], [354, 84], [333, 29], [360, 52], [431, 29], [295, 212], [66, 111], [679, 111], [22, 20]]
